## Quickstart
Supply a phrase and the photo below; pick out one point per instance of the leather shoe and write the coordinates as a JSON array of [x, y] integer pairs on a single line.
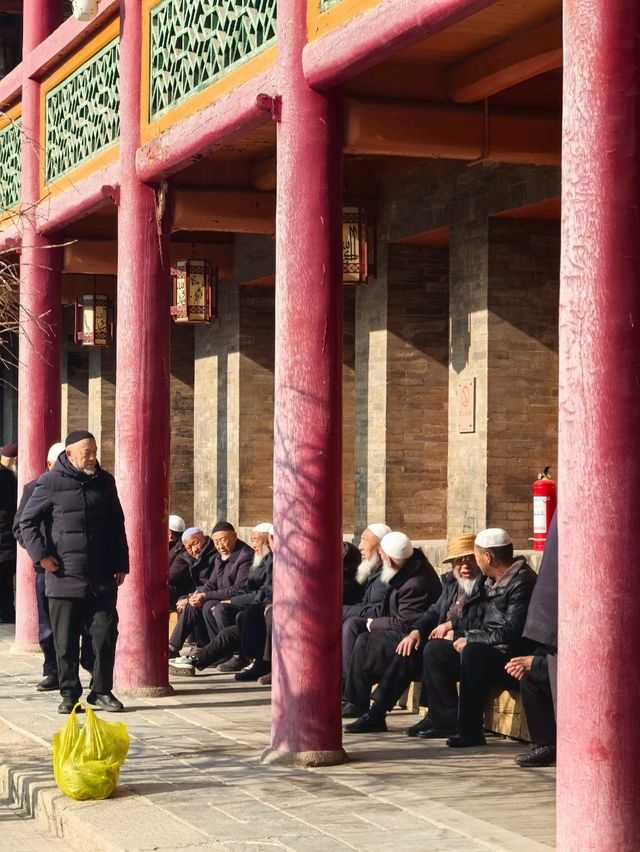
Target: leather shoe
[[540, 755], [254, 671], [435, 733], [466, 741], [234, 664], [425, 724], [48, 684], [107, 701], [366, 724], [66, 706], [351, 711]]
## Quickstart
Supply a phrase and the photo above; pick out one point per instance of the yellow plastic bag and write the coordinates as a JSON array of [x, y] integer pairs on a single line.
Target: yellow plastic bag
[[87, 756]]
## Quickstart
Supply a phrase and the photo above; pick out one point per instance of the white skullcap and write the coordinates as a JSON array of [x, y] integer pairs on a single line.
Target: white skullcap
[[397, 545], [271, 530], [493, 537], [176, 523], [379, 530], [54, 451], [262, 528], [191, 531]]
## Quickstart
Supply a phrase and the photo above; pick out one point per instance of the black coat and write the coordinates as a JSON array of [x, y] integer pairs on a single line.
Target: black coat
[[201, 568], [180, 569], [506, 608], [352, 590], [375, 592], [258, 588], [472, 611], [542, 618], [409, 593], [229, 575], [8, 504], [78, 520]]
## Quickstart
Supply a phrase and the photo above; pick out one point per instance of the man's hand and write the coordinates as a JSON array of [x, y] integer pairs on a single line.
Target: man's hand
[[519, 667], [460, 644], [440, 632], [225, 602], [49, 563], [409, 644], [181, 604], [196, 599], [120, 578]]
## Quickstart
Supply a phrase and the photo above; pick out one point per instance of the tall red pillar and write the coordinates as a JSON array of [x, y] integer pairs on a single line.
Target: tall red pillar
[[142, 394], [598, 782], [306, 721], [39, 337]]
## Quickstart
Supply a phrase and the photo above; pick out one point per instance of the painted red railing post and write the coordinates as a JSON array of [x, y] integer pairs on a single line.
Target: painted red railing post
[[142, 393], [599, 464], [306, 723], [39, 338]]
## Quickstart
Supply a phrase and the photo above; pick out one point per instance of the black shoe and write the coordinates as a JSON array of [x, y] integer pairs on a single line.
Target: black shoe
[[254, 671], [466, 741], [108, 701], [173, 653], [436, 733], [366, 724], [48, 684], [234, 664], [425, 724], [537, 756], [352, 711], [66, 706]]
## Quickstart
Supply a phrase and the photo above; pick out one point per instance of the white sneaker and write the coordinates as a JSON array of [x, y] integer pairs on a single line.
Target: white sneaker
[[182, 666]]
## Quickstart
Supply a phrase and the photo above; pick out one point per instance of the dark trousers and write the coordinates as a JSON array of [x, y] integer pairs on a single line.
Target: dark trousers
[[351, 629], [441, 675], [226, 643], [371, 657], [7, 605], [482, 669], [268, 623], [190, 622], [218, 616], [98, 616], [252, 627], [45, 634], [397, 677], [538, 708]]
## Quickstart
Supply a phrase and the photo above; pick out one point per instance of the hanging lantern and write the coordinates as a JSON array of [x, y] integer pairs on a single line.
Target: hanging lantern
[[355, 262], [193, 291], [94, 320]]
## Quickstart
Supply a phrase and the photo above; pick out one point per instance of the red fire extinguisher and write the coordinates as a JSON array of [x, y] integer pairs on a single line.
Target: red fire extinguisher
[[544, 505]]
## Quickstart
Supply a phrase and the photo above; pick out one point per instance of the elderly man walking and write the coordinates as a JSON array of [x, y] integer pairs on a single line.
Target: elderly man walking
[[73, 527]]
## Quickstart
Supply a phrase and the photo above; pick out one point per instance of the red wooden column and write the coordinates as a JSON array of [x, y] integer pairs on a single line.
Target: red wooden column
[[142, 394], [306, 723], [599, 642], [39, 340]]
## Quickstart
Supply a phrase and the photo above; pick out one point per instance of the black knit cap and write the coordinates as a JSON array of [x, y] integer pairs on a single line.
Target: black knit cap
[[78, 435], [223, 526]]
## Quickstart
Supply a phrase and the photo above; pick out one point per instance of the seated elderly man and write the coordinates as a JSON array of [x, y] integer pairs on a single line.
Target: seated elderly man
[[354, 616], [229, 567], [412, 585], [235, 633], [459, 607], [180, 581], [478, 658]]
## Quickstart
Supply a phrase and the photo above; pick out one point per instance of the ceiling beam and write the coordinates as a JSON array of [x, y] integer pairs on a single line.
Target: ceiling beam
[[382, 128], [233, 210], [506, 64], [263, 174]]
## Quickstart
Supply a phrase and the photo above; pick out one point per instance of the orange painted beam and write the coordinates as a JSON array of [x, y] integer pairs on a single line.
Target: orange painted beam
[[233, 210], [456, 132], [506, 64]]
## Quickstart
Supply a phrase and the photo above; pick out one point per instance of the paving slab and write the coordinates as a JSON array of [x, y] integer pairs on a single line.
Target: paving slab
[[193, 780]]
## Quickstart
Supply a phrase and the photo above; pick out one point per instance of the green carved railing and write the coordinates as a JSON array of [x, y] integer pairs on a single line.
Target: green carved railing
[[327, 4], [82, 113], [10, 165], [195, 42]]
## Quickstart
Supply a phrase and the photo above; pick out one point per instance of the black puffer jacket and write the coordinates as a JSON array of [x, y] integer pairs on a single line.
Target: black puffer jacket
[[229, 575], [258, 588], [78, 520], [472, 611], [180, 580], [410, 591], [506, 607], [375, 592], [8, 503]]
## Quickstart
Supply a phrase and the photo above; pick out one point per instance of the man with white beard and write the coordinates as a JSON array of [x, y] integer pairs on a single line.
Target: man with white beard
[[354, 617], [459, 607], [412, 585]]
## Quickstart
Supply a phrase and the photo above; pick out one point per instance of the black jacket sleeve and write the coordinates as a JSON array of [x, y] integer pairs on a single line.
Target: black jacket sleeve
[[27, 491], [512, 621]]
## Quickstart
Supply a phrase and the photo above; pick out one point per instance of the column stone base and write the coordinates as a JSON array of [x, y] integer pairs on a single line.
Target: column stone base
[[24, 648], [275, 757], [145, 691]]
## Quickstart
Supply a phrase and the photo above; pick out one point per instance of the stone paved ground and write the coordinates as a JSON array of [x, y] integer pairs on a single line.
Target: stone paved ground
[[20, 833], [193, 780]]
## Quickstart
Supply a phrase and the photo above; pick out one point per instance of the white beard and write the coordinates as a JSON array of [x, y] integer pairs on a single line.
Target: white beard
[[258, 558], [465, 585], [224, 558], [366, 567], [387, 574]]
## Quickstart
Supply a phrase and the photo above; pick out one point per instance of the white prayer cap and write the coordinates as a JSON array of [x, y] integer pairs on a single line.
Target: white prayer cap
[[397, 545], [54, 451], [191, 531], [493, 537], [271, 530], [379, 530], [262, 528], [176, 523]]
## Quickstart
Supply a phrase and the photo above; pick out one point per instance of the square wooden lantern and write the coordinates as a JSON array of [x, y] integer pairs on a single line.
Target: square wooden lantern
[[195, 287], [93, 320], [355, 249]]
